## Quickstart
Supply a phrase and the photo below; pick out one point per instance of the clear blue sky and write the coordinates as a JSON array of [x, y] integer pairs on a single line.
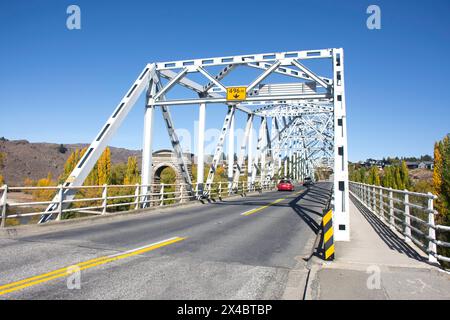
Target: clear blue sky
[[58, 85]]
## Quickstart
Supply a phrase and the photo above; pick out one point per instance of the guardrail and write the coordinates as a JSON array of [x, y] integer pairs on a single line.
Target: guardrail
[[410, 213], [100, 200]]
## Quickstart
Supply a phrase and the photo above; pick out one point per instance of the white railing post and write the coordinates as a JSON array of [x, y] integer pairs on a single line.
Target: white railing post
[[391, 209], [220, 190], [137, 197], [181, 193], [209, 190], [161, 197], [368, 196], [431, 231], [105, 198], [381, 205], [407, 218], [3, 201], [60, 202], [361, 192], [374, 200], [363, 195]]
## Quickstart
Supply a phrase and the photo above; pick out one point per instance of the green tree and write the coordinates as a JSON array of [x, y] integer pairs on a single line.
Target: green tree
[[373, 177], [398, 179], [387, 177], [118, 173], [404, 175]]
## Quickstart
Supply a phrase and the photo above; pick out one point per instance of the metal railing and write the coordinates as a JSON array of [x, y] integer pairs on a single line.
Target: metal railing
[[410, 213], [31, 202]]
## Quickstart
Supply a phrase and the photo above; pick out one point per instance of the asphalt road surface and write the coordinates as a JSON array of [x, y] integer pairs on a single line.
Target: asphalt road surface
[[240, 248]]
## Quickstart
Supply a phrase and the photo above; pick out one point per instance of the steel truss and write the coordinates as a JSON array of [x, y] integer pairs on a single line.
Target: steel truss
[[302, 123]]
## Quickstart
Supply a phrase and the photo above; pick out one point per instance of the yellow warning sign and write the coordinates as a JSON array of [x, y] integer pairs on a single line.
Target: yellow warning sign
[[236, 93]]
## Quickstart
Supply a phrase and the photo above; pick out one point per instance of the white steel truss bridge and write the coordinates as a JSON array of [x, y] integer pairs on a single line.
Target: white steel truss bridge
[[299, 115]]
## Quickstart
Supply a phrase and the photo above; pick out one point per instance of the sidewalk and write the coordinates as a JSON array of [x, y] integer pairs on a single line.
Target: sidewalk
[[376, 264]]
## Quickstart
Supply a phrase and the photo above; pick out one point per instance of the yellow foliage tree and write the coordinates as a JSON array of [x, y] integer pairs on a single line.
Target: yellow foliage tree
[[70, 164], [44, 194], [104, 167], [437, 174], [437, 170], [132, 173]]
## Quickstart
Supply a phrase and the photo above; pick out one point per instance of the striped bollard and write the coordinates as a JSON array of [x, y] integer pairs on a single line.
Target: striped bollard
[[327, 225]]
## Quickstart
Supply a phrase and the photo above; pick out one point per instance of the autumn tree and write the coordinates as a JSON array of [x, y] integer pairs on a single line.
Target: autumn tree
[[44, 194], [132, 173], [373, 177], [445, 175], [437, 174], [104, 167]]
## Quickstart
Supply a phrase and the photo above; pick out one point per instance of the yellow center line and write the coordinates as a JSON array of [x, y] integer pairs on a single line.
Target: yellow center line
[[62, 272], [249, 212]]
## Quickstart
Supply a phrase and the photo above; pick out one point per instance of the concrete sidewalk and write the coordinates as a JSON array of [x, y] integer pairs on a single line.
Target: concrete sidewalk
[[375, 264]]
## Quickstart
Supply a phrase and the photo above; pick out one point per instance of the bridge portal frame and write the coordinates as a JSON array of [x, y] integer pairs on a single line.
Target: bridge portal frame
[[296, 107]]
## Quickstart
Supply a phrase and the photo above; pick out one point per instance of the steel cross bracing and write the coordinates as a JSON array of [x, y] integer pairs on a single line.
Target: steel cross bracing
[[300, 123]]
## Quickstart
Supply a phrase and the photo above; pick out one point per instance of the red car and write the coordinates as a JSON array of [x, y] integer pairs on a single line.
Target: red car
[[285, 185]]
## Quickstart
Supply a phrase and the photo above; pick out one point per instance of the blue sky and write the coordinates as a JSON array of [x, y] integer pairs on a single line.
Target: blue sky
[[59, 85]]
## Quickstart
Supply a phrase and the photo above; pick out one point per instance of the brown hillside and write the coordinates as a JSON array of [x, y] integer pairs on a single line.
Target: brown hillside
[[36, 160]]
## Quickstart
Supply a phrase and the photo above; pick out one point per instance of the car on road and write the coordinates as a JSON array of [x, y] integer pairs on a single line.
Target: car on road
[[308, 181], [285, 185]]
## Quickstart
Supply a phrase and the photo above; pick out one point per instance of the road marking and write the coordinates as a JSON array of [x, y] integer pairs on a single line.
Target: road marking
[[252, 211], [62, 272], [244, 213]]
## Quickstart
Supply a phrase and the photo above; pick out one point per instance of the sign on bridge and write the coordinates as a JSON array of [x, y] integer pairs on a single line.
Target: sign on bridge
[[236, 93]]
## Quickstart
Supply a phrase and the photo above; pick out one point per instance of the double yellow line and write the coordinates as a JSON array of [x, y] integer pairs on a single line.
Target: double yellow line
[[62, 272], [252, 211]]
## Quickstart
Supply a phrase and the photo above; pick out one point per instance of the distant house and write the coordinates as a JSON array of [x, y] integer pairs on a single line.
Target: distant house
[[420, 165], [426, 165], [373, 162]]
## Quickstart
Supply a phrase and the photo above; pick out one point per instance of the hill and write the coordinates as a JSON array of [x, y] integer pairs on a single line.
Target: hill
[[35, 160]]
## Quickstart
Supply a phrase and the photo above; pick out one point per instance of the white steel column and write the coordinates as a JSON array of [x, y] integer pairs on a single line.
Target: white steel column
[[201, 148], [250, 156], [263, 150], [290, 160], [147, 156], [341, 221], [147, 170], [231, 153], [295, 166]]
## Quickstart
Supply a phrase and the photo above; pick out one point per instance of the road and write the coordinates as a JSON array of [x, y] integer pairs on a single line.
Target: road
[[240, 248]]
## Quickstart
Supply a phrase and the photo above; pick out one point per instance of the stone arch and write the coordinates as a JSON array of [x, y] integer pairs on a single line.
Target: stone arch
[[158, 169], [165, 158]]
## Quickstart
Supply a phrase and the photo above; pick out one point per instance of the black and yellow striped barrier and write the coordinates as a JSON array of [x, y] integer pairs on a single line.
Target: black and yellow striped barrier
[[328, 244]]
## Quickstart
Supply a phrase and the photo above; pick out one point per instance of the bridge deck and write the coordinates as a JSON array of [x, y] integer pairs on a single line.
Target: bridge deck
[[238, 248]]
